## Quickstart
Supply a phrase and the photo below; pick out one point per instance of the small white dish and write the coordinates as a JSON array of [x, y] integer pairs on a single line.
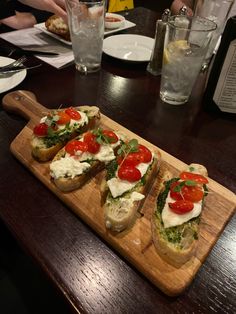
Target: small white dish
[[113, 21], [134, 48], [10, 81]]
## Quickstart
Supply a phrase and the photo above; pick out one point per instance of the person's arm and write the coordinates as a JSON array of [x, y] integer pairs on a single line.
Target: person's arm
[[55, 6], [20, 20]]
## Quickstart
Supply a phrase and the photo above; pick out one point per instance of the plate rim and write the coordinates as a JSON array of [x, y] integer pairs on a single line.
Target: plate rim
[[18, 77], [42, 28], [128, 35]]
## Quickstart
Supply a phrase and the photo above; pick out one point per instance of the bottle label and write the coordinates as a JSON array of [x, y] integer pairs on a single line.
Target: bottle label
[[225, 92]]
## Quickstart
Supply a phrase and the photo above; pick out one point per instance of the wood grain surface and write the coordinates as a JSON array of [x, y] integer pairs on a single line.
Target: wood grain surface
[[135, 245]]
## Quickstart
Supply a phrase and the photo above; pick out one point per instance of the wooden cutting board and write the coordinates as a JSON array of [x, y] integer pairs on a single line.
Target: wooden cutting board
[[135, 245]]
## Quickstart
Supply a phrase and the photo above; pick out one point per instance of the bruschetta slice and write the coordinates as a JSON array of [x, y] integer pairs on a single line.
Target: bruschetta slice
[[128, 179], [58, 127], [175, 222], [83, 157]]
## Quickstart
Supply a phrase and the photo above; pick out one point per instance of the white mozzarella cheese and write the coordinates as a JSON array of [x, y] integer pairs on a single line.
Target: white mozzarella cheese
[[67, 166], [171, 219], [105, 154]]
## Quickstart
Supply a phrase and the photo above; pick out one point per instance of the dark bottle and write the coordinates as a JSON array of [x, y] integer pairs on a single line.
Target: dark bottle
[[220, 93]]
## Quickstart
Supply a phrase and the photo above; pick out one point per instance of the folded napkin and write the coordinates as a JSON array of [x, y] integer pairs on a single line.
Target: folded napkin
[[35, 39]]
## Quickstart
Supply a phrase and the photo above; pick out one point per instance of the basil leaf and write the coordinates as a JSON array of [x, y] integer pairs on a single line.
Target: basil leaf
[[190, 183]]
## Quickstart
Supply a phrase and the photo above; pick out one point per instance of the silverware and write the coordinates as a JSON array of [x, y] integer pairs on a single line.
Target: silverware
[[15, 63], [28, 52], [35, 52], [17, 69]]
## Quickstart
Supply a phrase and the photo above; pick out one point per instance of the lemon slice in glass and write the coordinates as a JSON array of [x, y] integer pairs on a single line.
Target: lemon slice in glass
[[174, 48]]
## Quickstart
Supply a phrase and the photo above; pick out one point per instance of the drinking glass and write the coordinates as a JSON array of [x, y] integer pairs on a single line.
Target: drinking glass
[[186, 43], [216, 11], [86, 24]]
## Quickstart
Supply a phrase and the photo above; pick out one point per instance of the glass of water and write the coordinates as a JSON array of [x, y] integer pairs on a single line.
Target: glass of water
[[186, 43], [86, 24], [216, 11]]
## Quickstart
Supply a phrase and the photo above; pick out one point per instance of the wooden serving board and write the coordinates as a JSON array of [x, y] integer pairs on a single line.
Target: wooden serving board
[[135, 245]]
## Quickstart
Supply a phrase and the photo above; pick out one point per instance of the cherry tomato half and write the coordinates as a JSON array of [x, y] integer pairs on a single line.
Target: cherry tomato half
[[146, 153], [192, 193], [194, 177], [181, 207], [129, 173], [93, 145], [89, 136], [64, 118], [173, 194], [73, 146], [74, 114], [188, 193], [132, 159], [112, 137], [41, 129]]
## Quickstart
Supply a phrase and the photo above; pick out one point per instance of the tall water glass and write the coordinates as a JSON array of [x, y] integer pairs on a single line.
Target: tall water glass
[[86, 24], [186, 43], [216, 11]]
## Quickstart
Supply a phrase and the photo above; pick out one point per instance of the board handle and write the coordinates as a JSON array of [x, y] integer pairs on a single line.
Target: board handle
[[23, 103]]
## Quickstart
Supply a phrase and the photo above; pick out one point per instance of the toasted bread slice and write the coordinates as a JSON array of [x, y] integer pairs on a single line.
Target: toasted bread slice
[[69, 183], [73, 166], [44, 148], [175, 244], [56, 25], [121, 211]]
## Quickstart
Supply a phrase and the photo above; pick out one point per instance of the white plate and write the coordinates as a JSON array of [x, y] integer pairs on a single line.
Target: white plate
[[134, 48], [42, 27], [125, 25], [12, 80]]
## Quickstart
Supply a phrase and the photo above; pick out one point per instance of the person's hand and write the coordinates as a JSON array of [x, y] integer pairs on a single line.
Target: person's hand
[[55, 6], [178, 4]]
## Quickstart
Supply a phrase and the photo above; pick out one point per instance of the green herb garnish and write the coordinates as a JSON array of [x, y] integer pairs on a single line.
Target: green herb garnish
[[102, 138], [179, 187]]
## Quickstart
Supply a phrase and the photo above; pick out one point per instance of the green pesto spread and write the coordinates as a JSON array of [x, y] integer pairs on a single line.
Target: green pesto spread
[[176, 234]]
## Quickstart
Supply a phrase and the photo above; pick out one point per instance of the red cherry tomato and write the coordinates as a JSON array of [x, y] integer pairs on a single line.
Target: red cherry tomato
[[188, 193], [129, 173], [146, 153], [181, 207], [192, 193], [173, 194], [93, 145], [132, 159], [74, 114], [73, 146], [112, 137], [89, 136], [194, 177], [41, 129], [64, 118]]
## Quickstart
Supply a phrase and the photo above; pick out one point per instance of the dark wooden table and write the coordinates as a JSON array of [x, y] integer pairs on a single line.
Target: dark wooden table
[[89, 273]]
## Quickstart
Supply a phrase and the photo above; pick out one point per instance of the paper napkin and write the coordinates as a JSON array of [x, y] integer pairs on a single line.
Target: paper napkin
[[32, 38]]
